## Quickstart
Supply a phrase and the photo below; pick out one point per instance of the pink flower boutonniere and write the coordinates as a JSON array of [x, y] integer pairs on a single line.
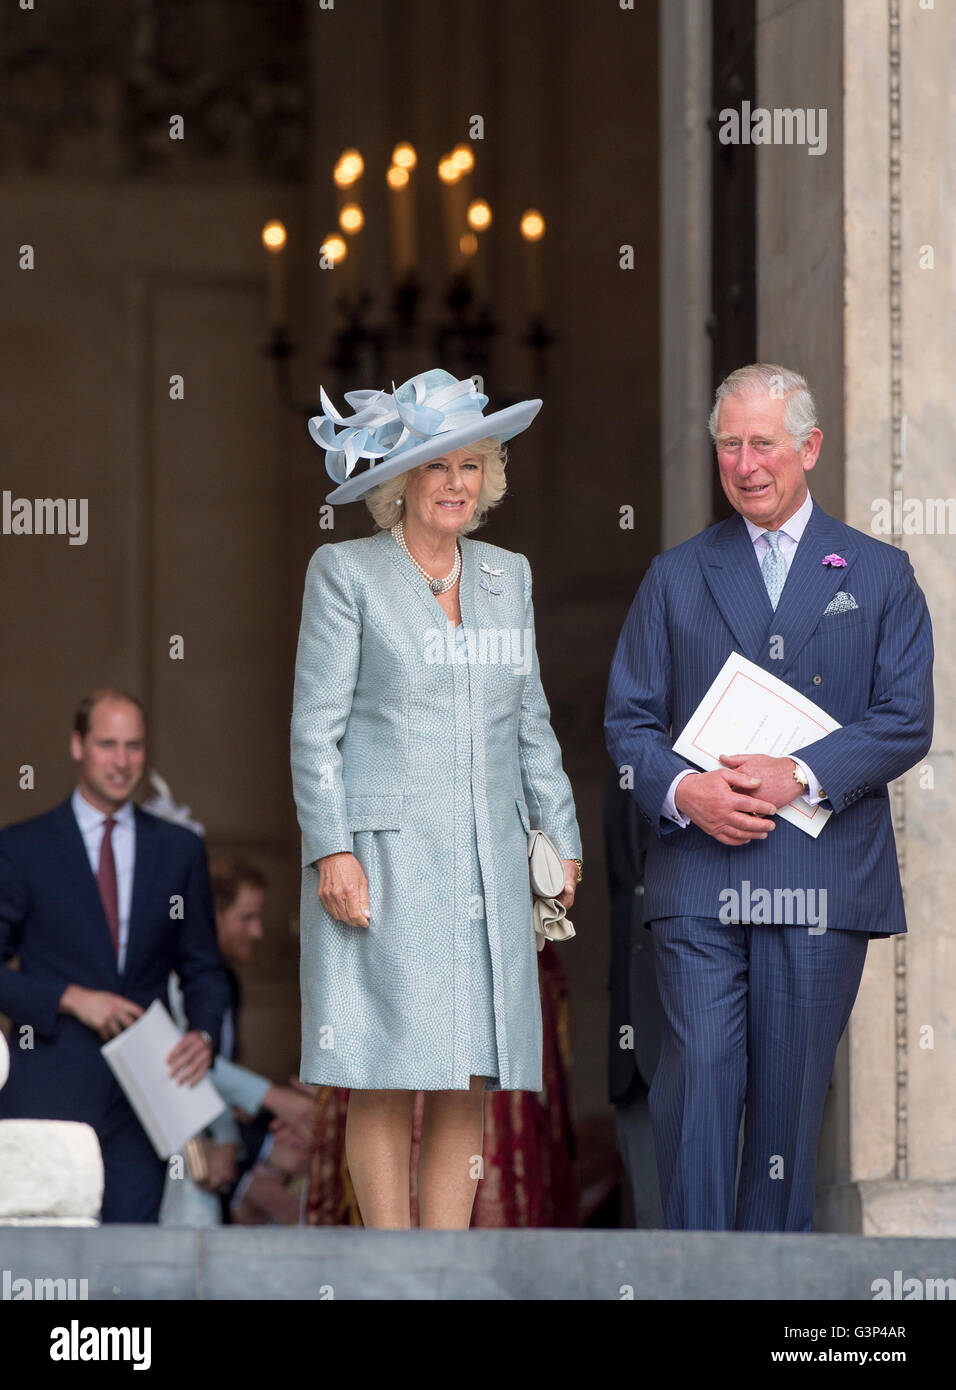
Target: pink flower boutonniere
[[834, 561]]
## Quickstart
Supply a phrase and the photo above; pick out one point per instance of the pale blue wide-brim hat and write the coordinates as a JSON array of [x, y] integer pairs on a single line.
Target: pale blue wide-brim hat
[[392, 431]]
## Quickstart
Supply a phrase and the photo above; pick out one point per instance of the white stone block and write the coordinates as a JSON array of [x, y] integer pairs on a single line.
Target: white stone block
[[49, 1168]]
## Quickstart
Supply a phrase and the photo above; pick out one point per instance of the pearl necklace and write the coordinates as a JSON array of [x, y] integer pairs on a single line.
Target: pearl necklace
[[437, 586]]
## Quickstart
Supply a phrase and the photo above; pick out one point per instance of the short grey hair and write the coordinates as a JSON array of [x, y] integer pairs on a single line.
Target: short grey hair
[[799, 412], [385, 502]]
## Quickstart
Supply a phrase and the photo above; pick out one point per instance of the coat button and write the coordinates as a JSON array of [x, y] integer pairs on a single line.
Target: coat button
[[818, 680]]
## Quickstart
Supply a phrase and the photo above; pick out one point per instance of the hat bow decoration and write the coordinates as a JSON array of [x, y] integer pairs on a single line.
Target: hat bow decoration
[[383, 423], [391, 432]]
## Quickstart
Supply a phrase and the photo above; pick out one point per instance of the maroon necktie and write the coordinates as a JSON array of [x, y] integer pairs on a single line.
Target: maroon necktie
[[106, 882]]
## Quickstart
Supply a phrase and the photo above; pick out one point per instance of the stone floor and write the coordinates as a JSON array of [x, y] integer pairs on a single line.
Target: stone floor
[[138, 1262]]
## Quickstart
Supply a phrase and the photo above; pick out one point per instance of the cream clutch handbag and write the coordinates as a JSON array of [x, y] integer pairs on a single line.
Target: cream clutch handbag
[[547, 881]]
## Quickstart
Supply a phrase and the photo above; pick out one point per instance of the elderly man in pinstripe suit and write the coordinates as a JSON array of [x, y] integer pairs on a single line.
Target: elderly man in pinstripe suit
[[756, 1003]]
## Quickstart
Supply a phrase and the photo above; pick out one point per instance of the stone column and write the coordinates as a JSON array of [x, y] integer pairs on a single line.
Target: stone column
[[685, 85]]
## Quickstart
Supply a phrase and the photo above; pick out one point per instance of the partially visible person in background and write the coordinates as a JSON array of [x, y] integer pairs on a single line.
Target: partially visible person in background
[[273, 1191], [234, 1141], [636, 1017], [85, 890]]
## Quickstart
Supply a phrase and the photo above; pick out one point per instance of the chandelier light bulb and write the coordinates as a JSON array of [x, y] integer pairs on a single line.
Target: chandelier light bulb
[[334, 248], [350, 167], [404, 155], [532, 225], [463, 159], [479, 215], [351, 218], [274, 236]]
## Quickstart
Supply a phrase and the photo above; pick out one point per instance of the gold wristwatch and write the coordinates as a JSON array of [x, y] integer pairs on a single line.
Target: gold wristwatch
[[800, 776]]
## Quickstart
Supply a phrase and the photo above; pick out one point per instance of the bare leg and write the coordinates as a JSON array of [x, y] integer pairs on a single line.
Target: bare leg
[[449, 1160], [378, 1142]]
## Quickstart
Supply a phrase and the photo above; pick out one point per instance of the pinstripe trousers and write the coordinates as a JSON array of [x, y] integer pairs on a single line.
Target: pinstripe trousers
[[753, 1018]]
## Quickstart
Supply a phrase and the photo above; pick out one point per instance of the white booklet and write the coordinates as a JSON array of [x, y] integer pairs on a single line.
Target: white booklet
[[169, 1113], [747, 710]]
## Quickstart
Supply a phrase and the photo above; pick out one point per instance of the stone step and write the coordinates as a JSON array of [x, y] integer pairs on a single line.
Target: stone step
[[140, 1262]]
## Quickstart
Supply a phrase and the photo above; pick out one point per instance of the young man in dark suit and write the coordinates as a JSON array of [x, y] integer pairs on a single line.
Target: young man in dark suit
[[100, 901]]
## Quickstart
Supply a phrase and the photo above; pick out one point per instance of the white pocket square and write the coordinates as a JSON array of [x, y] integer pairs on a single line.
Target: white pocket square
[[841, 603]]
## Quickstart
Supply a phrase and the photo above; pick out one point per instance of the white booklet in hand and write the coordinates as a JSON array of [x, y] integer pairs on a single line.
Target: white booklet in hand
[[747, 710], [169, 1113]]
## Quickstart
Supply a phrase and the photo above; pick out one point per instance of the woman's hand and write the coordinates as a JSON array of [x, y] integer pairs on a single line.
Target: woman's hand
[[222, 1167], [566, 898], [343, 889]]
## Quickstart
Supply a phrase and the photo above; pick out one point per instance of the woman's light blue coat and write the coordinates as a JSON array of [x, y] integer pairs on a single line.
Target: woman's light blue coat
[[391, 758]]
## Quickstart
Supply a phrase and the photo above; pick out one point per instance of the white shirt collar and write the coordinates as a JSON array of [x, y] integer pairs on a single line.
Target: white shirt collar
[[88, 816], [794, 527]]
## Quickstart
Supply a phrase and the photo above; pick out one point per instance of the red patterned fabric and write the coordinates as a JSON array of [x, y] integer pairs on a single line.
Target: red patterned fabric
[[330, 1200]]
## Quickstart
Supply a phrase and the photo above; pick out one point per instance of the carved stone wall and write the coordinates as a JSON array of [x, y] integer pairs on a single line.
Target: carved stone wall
[[89, 89]]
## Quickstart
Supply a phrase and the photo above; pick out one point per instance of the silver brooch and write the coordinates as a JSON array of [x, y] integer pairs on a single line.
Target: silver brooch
[[485, 583]]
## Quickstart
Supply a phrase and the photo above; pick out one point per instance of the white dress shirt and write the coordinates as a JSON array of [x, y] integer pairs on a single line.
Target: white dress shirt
[[91, 823], [790, 533]]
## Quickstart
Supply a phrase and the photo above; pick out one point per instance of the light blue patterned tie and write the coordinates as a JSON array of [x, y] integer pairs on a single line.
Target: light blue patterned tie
[[774, 568]]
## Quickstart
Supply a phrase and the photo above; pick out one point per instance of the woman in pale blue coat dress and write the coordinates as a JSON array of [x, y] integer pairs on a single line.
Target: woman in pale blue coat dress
[[422, 754]]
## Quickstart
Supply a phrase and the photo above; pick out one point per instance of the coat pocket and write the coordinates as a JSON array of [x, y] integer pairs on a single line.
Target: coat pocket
[[839, 622], [374, 812], [523, 813]]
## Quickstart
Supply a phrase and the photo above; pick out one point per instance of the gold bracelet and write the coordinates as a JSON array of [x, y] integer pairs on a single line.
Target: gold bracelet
[[580, 870]]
